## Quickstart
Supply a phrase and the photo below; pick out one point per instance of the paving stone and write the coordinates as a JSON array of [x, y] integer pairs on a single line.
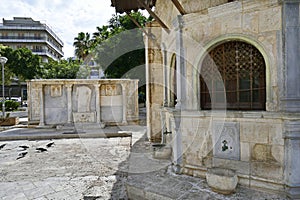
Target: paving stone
[[73, 168], [26, 185], [58, 195], [15, 196], [38, 192]]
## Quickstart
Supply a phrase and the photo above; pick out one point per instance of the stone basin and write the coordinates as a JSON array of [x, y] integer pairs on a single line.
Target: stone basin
[[222, 180], [161, 151]]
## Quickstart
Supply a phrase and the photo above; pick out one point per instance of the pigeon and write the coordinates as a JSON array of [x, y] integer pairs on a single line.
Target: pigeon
[[50, 144], [2, 145], [40, 149], [24, 147], [22, 155]]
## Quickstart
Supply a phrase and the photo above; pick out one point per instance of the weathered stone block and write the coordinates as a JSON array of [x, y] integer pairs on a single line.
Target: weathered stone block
[[254, 132], [239, 166], [267, 170], [266, 185], [245, 151], [250, 22], [262, 152], [270, 19], [277, 152], [276, 134]]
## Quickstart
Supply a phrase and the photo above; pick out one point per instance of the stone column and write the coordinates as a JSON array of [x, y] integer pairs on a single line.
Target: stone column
[[98, 108], [69, 99], [177, 143], [292, 159], [165, 75], [290, 94], [124, 103], [181, 94], [180, 64], [290, 98], [42, 106]]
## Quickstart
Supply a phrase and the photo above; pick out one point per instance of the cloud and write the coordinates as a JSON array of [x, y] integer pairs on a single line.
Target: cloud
[[66, 18]]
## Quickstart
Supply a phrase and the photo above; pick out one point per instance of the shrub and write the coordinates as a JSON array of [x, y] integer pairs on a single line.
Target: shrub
[[10, 105]]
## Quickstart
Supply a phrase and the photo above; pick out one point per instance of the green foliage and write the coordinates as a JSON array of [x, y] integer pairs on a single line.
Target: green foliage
[[10, 105], [63, 69], [120, 48], [83, 45], [25, 65], [21, 63]]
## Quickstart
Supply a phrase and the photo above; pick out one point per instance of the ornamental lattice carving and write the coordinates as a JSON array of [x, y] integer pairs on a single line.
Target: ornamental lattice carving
[[241, 68]]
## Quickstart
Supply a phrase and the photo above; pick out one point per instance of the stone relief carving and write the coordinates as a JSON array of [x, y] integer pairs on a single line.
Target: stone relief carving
[[110, 90], [56, 91]]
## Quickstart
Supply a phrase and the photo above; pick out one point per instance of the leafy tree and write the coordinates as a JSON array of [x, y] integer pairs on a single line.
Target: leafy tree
[[21, 63], [63, 69], [123, 50], [24, 64]]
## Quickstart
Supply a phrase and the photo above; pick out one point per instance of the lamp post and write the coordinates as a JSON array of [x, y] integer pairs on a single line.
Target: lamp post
[[3, 60]]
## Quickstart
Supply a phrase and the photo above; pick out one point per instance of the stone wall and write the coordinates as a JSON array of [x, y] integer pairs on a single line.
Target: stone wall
[[189, 7], [105, 101], [250, 143], [259, 145]]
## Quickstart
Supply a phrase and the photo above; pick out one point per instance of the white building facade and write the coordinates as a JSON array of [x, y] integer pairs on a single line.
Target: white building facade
[[23, 32]]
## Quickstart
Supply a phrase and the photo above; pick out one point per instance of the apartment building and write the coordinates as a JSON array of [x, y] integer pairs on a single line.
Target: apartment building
[[34, 35]]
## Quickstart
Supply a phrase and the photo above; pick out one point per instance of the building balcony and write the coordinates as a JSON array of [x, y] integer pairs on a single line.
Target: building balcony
[[41, 27], [21, 38]]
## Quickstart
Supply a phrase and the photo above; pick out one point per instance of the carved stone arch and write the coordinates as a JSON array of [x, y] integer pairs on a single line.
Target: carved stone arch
[[239, 38]]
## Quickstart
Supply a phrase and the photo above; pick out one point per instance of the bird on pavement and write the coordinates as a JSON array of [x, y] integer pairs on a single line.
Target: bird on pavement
[[24, 147], [22, 155], [50, 144], [2, 145], [40, 149]]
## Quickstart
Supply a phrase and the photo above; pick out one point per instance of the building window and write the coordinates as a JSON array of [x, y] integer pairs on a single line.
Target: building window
[[239, 69]]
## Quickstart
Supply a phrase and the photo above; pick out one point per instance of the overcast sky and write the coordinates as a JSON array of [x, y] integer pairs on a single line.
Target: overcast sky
[[66, 17]]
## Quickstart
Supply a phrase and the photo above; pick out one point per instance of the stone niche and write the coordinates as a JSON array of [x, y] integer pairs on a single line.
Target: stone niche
[[111, 102], [83, 98], [105, 101], [226, 140]]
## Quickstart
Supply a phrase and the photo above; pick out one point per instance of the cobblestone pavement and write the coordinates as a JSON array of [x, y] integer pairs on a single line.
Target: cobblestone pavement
[[65, 171], [99, 168]]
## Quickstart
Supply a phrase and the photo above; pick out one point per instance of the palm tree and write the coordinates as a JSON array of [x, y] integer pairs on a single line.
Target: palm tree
[[82, 44], [101, 35]]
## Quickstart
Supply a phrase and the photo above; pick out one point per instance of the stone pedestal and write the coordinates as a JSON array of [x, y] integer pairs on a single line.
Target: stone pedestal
[[292, 158]]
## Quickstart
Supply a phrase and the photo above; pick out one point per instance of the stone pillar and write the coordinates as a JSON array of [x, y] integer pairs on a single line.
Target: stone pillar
[[180, 64], [98, 108], [290, 99], [181, 94], [42, 109], [165, 74], [69, 99], [290, 94], [177, 143], [124, 121], [292, 159]]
